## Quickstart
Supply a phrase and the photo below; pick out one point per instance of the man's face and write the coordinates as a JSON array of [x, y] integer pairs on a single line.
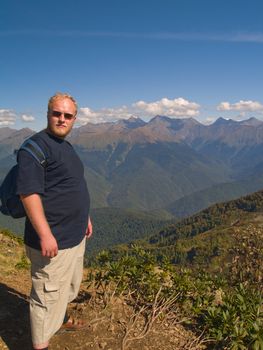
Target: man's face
[[61, 117]]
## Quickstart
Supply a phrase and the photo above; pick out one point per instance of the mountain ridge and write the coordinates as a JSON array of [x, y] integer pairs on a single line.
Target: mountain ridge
[[151, 165]]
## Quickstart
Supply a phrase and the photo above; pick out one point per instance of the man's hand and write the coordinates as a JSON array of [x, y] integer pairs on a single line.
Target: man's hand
[[35, 212], [49, 246], [89, 229]]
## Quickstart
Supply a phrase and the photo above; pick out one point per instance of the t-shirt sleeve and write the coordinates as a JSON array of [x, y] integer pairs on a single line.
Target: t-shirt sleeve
[[30, 175]]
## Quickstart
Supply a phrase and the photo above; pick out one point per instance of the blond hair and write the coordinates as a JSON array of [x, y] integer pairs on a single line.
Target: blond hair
[[61, 96]]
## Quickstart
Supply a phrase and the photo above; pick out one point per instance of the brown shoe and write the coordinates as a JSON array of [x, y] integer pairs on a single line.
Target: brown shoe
[[72, 324]]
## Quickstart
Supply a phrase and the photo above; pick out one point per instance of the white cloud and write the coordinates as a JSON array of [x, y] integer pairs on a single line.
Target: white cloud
[[7, 117], [242, 106], [87, 115], [173, 108], [178, 107], [27, 118]]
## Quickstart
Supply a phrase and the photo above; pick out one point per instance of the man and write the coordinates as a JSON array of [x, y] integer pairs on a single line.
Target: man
[[56, 200]]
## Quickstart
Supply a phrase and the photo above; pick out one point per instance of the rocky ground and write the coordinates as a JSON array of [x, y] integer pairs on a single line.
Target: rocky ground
[[110, 326]]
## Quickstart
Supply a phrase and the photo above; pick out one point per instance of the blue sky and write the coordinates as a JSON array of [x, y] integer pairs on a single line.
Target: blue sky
[[181, 58]]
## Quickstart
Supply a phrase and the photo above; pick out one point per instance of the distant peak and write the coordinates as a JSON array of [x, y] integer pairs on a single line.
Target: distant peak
[[181, 121], [159, 118], [137, 120], [222, 121], [252, 122], [131, 123], [133, 118]]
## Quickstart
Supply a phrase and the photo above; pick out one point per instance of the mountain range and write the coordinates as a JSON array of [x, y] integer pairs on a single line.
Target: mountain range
[[171, 166]]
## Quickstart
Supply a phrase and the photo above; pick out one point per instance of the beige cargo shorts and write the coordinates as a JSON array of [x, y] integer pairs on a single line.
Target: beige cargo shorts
[[55, 283]]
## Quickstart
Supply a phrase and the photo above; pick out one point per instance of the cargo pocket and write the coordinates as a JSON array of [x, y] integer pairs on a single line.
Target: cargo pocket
[[37, 292], [51, 292]]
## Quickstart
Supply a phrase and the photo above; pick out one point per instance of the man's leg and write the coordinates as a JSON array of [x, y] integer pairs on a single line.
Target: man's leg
[[69, 323], [77, 271], [51, 289]]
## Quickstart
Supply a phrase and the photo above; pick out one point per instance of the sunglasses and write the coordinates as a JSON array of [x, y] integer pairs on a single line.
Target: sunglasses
[[67, 116]]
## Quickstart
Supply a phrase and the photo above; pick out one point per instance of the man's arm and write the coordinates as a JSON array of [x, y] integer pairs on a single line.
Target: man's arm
[[35, 212]]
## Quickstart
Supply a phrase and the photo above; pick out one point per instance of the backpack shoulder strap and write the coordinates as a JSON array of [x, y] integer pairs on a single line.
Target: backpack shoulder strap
[[34, 149]]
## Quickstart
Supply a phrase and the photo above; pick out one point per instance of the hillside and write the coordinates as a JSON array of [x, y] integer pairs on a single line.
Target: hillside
[[211, 262], [108, 325], [199, 200], [197, 283], [114, 226], [205, 240]]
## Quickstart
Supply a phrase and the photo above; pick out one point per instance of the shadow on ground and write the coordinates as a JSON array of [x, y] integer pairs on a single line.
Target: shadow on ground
[[14, 319]]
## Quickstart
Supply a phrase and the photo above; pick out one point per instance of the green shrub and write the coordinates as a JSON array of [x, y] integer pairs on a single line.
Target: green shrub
[[237, 322], [230, 316], [23, 263]]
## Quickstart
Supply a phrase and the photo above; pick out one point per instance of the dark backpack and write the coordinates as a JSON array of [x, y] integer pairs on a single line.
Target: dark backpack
[[11, 203]]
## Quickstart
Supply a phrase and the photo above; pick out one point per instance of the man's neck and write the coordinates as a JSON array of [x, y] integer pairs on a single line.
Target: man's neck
[[47, 130]]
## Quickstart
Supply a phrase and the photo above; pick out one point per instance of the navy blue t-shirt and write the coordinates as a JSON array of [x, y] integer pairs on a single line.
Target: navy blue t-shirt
[[62, 188]]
